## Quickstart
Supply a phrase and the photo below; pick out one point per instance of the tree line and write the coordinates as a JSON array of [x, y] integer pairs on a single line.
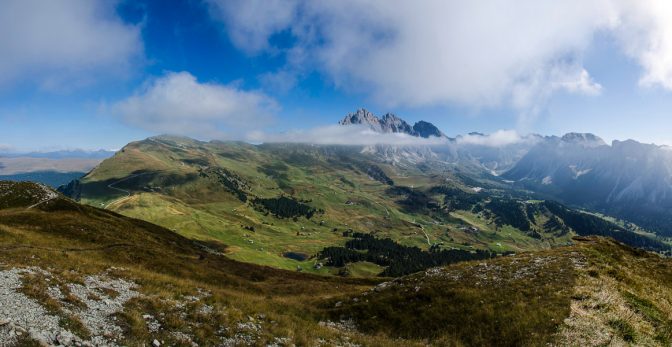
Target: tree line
[[285, 207], [585, 224], [398, 259]]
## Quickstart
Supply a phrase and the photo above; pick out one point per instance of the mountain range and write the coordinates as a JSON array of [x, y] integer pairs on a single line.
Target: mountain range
[[284, 204], [627, 179], [175, 241]]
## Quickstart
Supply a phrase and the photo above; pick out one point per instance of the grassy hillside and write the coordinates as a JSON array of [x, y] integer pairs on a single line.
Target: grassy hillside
[[188, 287], [269, 201], [99, 276], [595, 293]]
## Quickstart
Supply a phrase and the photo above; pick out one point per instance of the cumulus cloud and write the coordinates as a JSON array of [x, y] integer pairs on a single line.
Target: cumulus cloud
[[344, 135], [499, 138], [579, 82], [179, 104], [63, 44], [645, 31], [475, 53]]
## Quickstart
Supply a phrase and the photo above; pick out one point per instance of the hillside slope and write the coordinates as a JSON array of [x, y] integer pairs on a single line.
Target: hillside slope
[[596, 293], [282, 204], [76, 273], [71, 273]]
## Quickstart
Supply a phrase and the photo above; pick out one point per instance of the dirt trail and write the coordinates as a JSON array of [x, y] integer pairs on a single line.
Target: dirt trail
[[128, 193]]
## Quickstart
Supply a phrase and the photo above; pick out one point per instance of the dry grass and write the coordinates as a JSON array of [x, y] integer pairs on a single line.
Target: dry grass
[[622, 296], [509, 301]]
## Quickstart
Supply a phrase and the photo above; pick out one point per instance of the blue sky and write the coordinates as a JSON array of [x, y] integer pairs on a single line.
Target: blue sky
[[99, 74]]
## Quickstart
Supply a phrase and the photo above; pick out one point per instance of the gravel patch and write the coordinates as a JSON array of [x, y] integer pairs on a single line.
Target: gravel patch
[[22, 316], [97, 316]]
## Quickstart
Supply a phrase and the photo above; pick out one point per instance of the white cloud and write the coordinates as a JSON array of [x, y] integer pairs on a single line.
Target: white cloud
[[474, 53], [577, 81], [267, 16], [61, 44], [178, 104], [499, 138], [429, 52], [344, 135], [645, 30]]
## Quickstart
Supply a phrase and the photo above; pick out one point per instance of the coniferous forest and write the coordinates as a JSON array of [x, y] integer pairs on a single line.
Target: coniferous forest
[[399, 259]]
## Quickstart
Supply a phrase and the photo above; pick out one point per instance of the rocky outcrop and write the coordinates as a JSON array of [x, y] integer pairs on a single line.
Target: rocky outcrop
[[583, 139], [426, 129]]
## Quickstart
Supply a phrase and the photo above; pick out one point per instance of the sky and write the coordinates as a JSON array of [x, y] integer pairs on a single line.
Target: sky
[[98, 74]]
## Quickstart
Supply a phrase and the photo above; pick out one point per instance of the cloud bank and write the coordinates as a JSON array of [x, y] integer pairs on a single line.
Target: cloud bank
[[178, 104], [361, 135], [344, 135], [434, 52], [63, 44], [499, 138]]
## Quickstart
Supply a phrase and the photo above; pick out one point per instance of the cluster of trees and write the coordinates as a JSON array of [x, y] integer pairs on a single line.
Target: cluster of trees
[[508, 211], [414, 200], [554, 224], [379, 175], [657, 219], [399, 260], [233, 183], [457, 199], [284, 207], [585, 224]]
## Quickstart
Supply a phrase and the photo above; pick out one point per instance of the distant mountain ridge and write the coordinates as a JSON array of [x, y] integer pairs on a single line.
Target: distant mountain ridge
[[477, 155], [51, 168], [63, 154], [628, 179], [583, 139]]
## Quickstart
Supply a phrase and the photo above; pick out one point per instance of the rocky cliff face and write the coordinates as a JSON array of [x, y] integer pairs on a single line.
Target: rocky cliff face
[[391, 123], [362, 117], [426, 129], [583, 139]]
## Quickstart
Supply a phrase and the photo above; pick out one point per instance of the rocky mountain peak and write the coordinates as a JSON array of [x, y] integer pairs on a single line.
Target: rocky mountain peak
[[362, 116], [427, 129], [583, 139], [390, 123]]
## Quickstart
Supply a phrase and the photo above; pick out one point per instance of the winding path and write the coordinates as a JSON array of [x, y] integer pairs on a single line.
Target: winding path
[[127, 192], [422, 228], [41, 202], [51, 195]]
